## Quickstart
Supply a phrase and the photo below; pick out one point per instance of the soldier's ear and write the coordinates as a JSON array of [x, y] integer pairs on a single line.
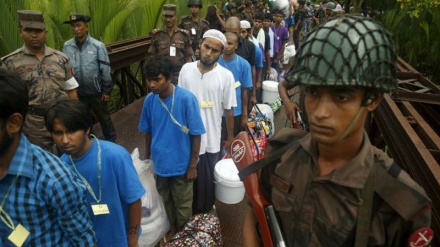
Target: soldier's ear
[[373, 100]]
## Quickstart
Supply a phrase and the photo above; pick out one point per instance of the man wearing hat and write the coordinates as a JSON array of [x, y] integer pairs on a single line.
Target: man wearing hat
[[91, 63], [214, 88], [46, 71], [194, 25], [171, 41]]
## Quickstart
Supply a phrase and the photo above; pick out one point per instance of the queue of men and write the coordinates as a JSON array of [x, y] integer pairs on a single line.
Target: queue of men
[[200, 80]]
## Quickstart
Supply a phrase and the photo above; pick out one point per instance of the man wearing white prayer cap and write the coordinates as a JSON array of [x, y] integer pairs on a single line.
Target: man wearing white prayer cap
[[214, 88]]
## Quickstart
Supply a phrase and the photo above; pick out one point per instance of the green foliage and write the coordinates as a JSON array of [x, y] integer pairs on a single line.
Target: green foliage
[[112, 20], [417, 38]]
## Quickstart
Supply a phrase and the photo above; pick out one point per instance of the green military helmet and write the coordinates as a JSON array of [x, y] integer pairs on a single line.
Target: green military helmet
[[195, 2], [347, 50], [330, 6]]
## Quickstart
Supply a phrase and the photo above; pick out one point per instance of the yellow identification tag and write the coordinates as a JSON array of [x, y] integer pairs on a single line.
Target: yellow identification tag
[[237, 84], [185, 129], [206, 104], [100, 209], [19, 235]]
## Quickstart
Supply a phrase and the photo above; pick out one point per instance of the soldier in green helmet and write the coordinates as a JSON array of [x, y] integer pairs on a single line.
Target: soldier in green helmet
[[332, 187], [195, 25]]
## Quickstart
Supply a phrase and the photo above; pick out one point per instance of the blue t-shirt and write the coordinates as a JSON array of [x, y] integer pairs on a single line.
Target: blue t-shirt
[[258, 57], [120, 187], [241, 69], [170, 146]]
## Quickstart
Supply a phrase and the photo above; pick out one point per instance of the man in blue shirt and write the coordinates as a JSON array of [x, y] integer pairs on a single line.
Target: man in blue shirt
[[241, 69], [91, 64], [173, 126], [43, 203], [114, 189]]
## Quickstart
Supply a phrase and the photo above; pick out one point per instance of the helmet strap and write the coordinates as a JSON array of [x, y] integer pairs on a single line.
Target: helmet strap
[[351, 125]]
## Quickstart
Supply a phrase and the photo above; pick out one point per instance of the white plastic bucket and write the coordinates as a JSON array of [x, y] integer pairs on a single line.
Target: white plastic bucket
[[228, 189], [279, 4], [270, 91]]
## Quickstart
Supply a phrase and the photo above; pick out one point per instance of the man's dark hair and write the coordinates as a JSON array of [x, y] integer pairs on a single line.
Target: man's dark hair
[[13, 94], [259, 16], [73, 114], [268, 16], [156, 65]]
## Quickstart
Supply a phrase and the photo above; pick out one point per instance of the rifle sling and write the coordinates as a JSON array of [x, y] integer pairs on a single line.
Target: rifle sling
[[265, 161]]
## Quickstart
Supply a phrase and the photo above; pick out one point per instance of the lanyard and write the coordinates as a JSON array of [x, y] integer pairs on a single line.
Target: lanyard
[[172, 108], [3, 215], [89, 188]]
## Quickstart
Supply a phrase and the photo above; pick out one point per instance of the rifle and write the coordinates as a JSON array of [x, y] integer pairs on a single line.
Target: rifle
[[241, 154]]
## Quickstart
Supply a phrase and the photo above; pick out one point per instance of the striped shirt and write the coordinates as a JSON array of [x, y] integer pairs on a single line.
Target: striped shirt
[[47, 199]]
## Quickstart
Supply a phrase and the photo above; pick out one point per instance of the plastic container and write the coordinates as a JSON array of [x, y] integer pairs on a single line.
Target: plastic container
[[228, 188], [270, 92], [279, 4]]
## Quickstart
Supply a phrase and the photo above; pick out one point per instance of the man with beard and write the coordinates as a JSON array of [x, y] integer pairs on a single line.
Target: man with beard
[[171, 41], [43, 202], [194, 25], [213, 87], [46, 71]]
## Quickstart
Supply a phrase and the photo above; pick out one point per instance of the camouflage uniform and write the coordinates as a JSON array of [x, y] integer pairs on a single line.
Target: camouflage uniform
[[47, 82], [323, 210], [195, 31], [162, 41]]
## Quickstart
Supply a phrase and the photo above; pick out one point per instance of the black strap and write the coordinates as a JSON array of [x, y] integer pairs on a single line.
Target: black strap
[[375, 202], [265, 161]]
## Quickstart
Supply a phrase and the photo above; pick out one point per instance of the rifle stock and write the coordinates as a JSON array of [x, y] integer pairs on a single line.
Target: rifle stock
[[241, 154]]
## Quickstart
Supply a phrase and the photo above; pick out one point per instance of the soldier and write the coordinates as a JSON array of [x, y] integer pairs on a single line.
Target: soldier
[[194, 25], [171, 41], [332, 187], [90, 60], [46, 71]]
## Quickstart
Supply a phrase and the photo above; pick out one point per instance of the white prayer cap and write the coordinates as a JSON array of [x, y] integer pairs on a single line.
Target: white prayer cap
[[215, 34], [245, 24]]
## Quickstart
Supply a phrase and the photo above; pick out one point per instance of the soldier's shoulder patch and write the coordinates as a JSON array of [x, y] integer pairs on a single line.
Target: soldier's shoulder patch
[[154, 31], [206, 22], [421, 237], [12, 54], [59, 53]]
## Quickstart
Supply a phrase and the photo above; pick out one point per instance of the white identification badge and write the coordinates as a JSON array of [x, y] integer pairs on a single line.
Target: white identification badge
[[185, 129], [19, 235], [237, 84], [172, 51], [99, 209], [193, 31], [206, 104]]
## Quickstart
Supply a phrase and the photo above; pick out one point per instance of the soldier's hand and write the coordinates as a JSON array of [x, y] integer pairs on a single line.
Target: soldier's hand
[[291, 109], [105, 97]]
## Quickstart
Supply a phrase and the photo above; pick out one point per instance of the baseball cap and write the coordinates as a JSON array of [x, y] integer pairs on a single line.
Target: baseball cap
[[78, 17], [30, 19], [215, 34], [169, 9]]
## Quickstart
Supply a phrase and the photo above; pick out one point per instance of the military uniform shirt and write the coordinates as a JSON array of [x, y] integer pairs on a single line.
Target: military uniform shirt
[[162, 41], [322, 210], [199, 27], [47, 79]]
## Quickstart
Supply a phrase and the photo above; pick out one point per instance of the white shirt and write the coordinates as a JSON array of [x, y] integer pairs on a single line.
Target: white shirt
[[217, 87]]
